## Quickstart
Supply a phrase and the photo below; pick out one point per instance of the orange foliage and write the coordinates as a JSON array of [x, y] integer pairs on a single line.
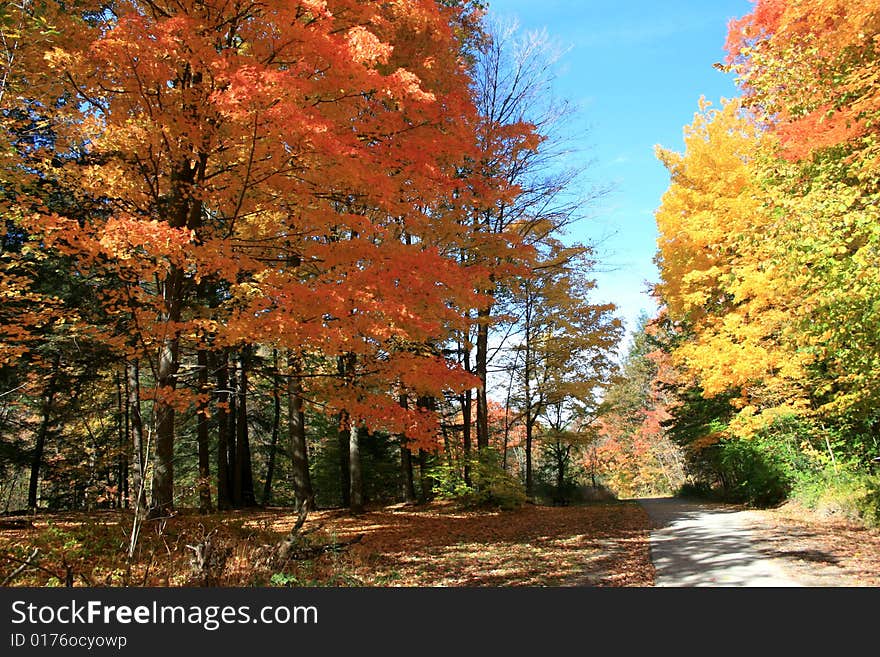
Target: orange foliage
[[283, 173]]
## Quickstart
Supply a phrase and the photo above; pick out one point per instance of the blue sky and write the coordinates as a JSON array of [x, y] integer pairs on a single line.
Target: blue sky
[[636, 69]]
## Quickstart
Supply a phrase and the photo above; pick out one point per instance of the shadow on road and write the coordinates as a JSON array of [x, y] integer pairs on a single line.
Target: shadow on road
[[706, 544]]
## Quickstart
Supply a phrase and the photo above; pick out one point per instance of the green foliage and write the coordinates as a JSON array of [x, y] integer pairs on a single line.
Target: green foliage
[[284, 579], [760, 470], [695, 489], [491, 485], [755, 471], [841, 490], [380, 464], [869, 502], [572, 492]]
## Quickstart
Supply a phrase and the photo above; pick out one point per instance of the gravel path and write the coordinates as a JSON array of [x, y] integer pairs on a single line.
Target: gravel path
[[697, 544]]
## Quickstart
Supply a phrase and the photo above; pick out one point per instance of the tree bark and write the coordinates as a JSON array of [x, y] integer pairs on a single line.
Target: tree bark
[[409, 491], [276, 425], [162, 502], [466, 435], [529, 476], [42, 432], [243, 478], [219, 364], [356, 492], [299, 454], [202, 437], [342, 367], [482, 369], [121, 444], [136, 425], [232, 430], [427, 489], [527, 386]]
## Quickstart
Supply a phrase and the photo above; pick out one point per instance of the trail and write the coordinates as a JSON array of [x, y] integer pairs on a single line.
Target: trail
[[696, 544]]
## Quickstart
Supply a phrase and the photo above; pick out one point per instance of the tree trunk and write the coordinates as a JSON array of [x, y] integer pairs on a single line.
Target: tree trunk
[[409, 491], [427, 489], [428, 403], [466, 435], [342, 367], [276, 423], [529, 430], [482, 369], [42, 432], [530, 414], [121, 444], [166, 383], [202, 438], [561, 460], [356, 493], [162, 501], [138, 463], [243, 479], [299, 454], [231, 451], [224, 498]]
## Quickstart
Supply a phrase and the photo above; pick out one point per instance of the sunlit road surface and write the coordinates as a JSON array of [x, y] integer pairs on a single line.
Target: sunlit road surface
[[707, 545]]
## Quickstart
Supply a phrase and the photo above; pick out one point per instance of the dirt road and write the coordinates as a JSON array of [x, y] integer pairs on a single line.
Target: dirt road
[[696, 544]]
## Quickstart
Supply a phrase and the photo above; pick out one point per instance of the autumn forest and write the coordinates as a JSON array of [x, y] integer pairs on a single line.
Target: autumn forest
[[272, 262]]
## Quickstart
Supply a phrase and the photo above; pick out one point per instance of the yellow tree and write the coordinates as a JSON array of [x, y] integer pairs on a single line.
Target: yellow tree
[[721, 269], [561, 358], [809, 70]]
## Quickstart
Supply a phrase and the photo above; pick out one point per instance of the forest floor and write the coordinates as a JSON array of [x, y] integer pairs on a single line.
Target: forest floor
[[438, 544]]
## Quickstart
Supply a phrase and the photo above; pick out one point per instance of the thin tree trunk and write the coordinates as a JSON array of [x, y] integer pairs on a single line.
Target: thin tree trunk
[[356, 492], [427, 488], [507, 418], [138, 463], [220, 364], [466, 435], [465, 400], [527, 383], [231, 450], [42, 432], [344, 449], [342, 366], [202, 437], [299, 454], [276, 422], [126, 428], [482, 369], [529, 430], [121, 449], [561, 459], [409, 491], [244, 478]]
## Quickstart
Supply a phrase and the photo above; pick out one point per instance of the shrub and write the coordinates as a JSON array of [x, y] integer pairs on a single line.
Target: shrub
[[868, 503], [491, 485], [841, 490], [755, 472], [696, 489]]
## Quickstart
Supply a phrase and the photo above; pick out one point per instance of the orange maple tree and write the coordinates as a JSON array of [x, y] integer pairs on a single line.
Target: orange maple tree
[[282, 173]]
